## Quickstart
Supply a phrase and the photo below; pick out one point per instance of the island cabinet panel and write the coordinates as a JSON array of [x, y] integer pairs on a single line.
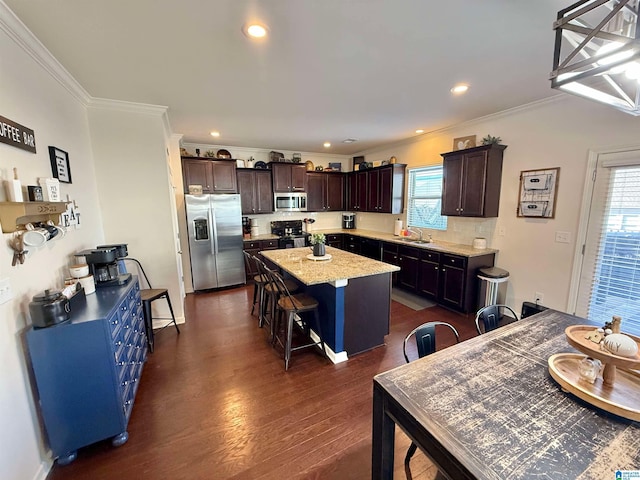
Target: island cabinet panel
[[357, 191], [87, 370], [288, 177], [255, 189], [429, 277], [325, 192], [409, 259], [361, 332], [215, 176], [471, 181]]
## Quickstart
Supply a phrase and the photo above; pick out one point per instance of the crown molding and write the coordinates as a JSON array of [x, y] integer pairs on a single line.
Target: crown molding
[[22, 36], [469, 123], [128, 107]]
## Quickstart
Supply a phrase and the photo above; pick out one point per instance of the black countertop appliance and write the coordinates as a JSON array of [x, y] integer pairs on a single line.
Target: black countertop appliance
[[348, 221]]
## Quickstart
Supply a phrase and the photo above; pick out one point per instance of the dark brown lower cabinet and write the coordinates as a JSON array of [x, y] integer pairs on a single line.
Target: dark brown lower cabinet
[[429, 278], [450, 280], [335, 240], [254, 247], [390, 256], [409, 260]]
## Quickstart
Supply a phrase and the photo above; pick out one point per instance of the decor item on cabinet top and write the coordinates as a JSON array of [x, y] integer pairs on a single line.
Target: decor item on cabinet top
[[223, 154], [297, 157], [335, 166], [309, 165], [462, 143], [491, 140], [210, 154], [184, 152], [276, 156]]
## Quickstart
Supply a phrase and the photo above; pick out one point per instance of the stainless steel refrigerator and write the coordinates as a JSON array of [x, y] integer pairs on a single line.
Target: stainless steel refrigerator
[[214, 224]]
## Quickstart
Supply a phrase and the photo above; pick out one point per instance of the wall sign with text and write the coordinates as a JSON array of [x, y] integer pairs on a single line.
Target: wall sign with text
[[60, 164], [17, 135]]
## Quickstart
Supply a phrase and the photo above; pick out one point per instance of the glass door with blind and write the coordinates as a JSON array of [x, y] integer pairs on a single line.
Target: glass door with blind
[[610, 274]]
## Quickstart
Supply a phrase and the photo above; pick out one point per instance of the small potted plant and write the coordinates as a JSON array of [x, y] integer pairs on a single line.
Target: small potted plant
[[318, 240]]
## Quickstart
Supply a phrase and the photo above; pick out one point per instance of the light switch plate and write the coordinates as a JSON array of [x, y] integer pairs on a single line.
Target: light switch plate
[[6, 293], [563, 237]]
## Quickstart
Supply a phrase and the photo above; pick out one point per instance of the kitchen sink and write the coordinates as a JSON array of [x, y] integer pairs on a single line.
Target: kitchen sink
[[415, 240]]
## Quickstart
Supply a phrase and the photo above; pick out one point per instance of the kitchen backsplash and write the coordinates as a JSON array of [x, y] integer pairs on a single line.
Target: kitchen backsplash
[[459, 230]]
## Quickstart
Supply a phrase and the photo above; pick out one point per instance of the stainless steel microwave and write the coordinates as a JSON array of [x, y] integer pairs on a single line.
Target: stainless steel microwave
[[290, 202]]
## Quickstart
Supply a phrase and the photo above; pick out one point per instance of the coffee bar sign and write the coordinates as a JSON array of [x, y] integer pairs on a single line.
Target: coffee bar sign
[[16, 135]]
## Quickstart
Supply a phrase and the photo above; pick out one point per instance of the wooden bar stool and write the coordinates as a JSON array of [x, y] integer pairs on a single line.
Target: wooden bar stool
[[271, 295], [148, 296], [258, 280], [292, 307]]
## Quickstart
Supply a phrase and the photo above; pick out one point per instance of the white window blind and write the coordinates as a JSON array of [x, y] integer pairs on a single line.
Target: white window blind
[[610, 277], [425, 198]]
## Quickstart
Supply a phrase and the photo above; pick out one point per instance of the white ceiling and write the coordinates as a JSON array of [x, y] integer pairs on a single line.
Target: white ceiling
[[373, 70]]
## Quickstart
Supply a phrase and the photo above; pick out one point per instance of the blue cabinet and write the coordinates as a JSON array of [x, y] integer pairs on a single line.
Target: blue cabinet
[[87, 370]]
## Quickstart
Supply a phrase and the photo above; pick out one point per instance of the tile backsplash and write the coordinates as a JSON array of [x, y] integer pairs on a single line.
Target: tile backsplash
[[459, 230]]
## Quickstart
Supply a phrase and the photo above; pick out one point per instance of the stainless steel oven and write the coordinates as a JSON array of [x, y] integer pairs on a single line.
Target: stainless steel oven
[[290, 202]]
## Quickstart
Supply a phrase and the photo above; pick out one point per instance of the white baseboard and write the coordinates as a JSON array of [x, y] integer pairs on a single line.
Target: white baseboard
[[43, 470]]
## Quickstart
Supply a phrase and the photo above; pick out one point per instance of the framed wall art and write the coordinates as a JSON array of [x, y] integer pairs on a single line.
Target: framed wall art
[[60, 164], [462, 143], [538, 193]]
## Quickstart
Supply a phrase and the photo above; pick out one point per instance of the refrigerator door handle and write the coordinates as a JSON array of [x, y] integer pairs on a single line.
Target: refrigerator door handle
[[214, 232]]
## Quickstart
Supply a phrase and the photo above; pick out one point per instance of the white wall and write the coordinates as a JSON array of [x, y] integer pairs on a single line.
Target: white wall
[[556, 133], [131, 147], [30, 96]]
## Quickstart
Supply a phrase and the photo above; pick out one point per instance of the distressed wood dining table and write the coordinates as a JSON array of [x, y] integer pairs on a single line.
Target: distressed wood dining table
[[487, 408]]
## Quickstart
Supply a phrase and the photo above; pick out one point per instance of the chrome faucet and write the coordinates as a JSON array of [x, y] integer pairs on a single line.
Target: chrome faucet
[[415, 232]]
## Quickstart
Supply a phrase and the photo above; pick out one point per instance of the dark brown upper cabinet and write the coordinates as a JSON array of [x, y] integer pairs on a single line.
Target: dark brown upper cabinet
[[215, 176], [325, 192], [471, 181], [254, 187], [379, 189], [288, 177]]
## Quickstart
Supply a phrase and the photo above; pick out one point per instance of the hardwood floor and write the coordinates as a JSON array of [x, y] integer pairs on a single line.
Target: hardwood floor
[[215, 403]]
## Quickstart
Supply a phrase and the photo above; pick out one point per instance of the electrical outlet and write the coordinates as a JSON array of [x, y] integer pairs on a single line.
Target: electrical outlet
[[539, 297], [563, 237], [502, 231], [6, 293]]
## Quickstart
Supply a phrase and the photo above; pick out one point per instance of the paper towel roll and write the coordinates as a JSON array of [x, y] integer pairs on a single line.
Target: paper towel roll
[[397, 228], [254, 232], [254, 222]]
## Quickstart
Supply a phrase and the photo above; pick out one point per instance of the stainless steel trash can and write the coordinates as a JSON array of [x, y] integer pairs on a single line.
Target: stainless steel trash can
[[492, 281]]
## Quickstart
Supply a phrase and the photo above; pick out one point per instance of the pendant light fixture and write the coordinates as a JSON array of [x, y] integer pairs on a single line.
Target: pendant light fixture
[[597, 52]]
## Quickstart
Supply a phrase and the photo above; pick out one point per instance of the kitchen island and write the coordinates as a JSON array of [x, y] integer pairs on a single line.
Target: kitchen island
[[354, 295]]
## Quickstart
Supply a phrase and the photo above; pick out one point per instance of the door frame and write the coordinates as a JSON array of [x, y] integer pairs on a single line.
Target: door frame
[[585, 211]]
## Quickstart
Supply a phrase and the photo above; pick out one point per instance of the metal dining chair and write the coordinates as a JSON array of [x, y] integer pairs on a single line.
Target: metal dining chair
[[488, 318], [425, 337], [290, 309]]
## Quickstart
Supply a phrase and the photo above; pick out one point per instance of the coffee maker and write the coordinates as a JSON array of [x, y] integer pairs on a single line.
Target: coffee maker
[[103, 265], [348, 221]]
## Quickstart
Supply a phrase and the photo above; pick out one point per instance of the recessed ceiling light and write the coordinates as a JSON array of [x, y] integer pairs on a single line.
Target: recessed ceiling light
[[420, 130], [255, 30], [215, 134], [460, 89], [349, 140], [327, 144]]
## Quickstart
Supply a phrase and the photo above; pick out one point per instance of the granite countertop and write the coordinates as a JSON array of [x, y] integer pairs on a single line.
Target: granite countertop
[[264, 236], [436, 245], [342, 265]]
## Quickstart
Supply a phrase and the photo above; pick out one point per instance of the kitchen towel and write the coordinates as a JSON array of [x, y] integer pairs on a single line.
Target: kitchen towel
[[298, 242]]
